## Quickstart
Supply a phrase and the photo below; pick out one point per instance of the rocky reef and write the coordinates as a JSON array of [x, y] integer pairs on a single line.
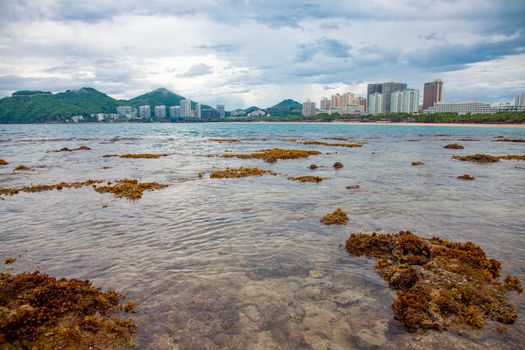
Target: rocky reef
[[137, 155], [38, 311], [466, 177], [273, 154], [322, 143], [454, 146], [338, 217], [233, 173], [307, 178], [440, 284], [225, 140], [40, 188], [478, 158]]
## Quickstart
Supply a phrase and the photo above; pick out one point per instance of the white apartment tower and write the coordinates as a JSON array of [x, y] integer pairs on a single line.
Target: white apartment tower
[[160, 111], [144, 111], [185, 108], [309, 109], [375, 103]]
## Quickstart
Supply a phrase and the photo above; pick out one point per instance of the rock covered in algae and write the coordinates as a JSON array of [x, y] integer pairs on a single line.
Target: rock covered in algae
[[466, 177], [137, 155], [322, 143], [439, 284], [454, 146], [3, 162], [129, 188], [66, 149], [313, 166], [225, 140], [22, 168], [352, 187], [9, 260], [307, 178], [338, 217], [38, 311], [417, 162], [231, 173], [478, 158], [513, 157], [41, 188], [273, 154], [504, 139], [338, 165]]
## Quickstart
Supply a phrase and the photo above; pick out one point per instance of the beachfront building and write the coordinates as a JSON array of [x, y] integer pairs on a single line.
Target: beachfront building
[[354, 109], [520, 99], [257, 113], [221, 111], [144, 111], [209, 113], [507, 107], [386, 90], [127, 111], [185, 108], [404, 101], [325, 104], [308, 109], [160, 111], [467, 107], [432, 93], [174, 112], [198, 110], [375, 103]]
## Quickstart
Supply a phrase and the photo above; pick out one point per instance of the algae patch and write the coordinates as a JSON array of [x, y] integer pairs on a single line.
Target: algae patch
[[322, 143], [131, 189], [338, 217], [314, 179], [3, 162], [478, 158], [417, 163], [439, 284], [66, 149], [466, 177], [40, 188], [232, 173], [454, 146], [137, 155], [273, 154], [225, 140], [38, 311], [22, 168], [338, 165]]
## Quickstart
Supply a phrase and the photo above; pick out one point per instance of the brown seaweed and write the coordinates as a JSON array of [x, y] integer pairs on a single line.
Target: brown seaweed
[[225, 140], [417, 162], [38, 311], [504, 139], [131, 189], [137, 155], [22, 168], [3, 162], [40, 188], [513, 157], [307, 178], [232, 173], [454, 146], [352, 187], [272, 155], [9, 260], [66, 149], [439, 283], [313, 166], [338, 165], [466, 177], [322, 143], [338, 217], [478, 158]]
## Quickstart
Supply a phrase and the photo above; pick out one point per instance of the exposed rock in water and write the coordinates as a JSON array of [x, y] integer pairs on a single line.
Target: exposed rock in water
[[38, 311], [338, 217], [504, 139], [454, 146], [272, 155], [225, 140], [466, 177], [9, 260], [315, 179], [352, 187], [513, 157], [440, 284], [81, 148], [338, 165], [22, 168], [350, 145], [230, 173], [417, 162], [138, 155], [131, 189], [313, 166], [3, 162], [478, 158]]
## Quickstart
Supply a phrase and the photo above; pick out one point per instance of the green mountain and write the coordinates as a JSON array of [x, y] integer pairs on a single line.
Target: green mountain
[[251, 109], [288, 103], [44, 107]]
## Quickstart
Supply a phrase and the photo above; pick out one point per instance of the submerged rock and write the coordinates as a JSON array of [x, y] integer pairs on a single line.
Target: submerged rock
[[478, 158], [3, 162], [466, 177], [417, 162], [129, 188], [454, 146], [230, 173], [338, 217], [307, 178], [38, 311], [138, 155], [440, 284], [338, 165], [225, 140], [22, 168], [272, 155], [322, 143]]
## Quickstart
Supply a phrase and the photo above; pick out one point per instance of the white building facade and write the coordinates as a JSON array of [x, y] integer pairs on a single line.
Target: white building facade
[[404, 101], [308, 109], [468, 107], [144, 111], [375, 103]]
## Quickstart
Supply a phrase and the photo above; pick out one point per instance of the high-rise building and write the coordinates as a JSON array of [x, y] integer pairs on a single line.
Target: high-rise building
[[404, 101], [209, 113], [520, 99], [144, 112], [308, 109], [385, 89], [340, 101], [198, 111], [160, 111], [174, 112], [221, 111], [375, 103], [372, 88], [127, 111], [432, 93], [325, 104], [185, 108]]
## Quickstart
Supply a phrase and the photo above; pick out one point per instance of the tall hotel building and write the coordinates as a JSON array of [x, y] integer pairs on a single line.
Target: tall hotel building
[[385, 89], [432, 93]]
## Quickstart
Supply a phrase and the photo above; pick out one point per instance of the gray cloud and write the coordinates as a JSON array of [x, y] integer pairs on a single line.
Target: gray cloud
[[198, 70]]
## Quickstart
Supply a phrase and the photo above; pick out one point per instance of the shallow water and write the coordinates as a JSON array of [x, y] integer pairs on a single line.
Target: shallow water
[[245, 263]]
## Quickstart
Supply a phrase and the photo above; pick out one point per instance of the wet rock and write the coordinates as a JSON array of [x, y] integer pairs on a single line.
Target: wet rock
[[417, 162], [454, 146], [3, 162], [313, 166], [273, 154], [478, 158], [314, 179], [22, 168], [231, 173], [466, 177], [338, 165], [225, 140], [352, 187], [338, 217]]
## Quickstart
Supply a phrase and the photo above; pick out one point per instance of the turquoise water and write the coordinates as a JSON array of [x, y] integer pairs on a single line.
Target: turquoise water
[[245, 263]]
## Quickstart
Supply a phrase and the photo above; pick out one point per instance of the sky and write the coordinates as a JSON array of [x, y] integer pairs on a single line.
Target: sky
[[244, 53]]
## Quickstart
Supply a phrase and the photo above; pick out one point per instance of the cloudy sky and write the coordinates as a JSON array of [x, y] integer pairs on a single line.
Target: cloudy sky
[[253, 52]]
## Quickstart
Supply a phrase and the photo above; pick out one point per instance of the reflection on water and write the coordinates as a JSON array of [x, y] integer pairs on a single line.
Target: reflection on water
[[245, 263]]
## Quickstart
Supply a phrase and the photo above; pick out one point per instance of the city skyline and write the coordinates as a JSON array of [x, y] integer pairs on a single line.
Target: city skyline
[[252, 53]]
